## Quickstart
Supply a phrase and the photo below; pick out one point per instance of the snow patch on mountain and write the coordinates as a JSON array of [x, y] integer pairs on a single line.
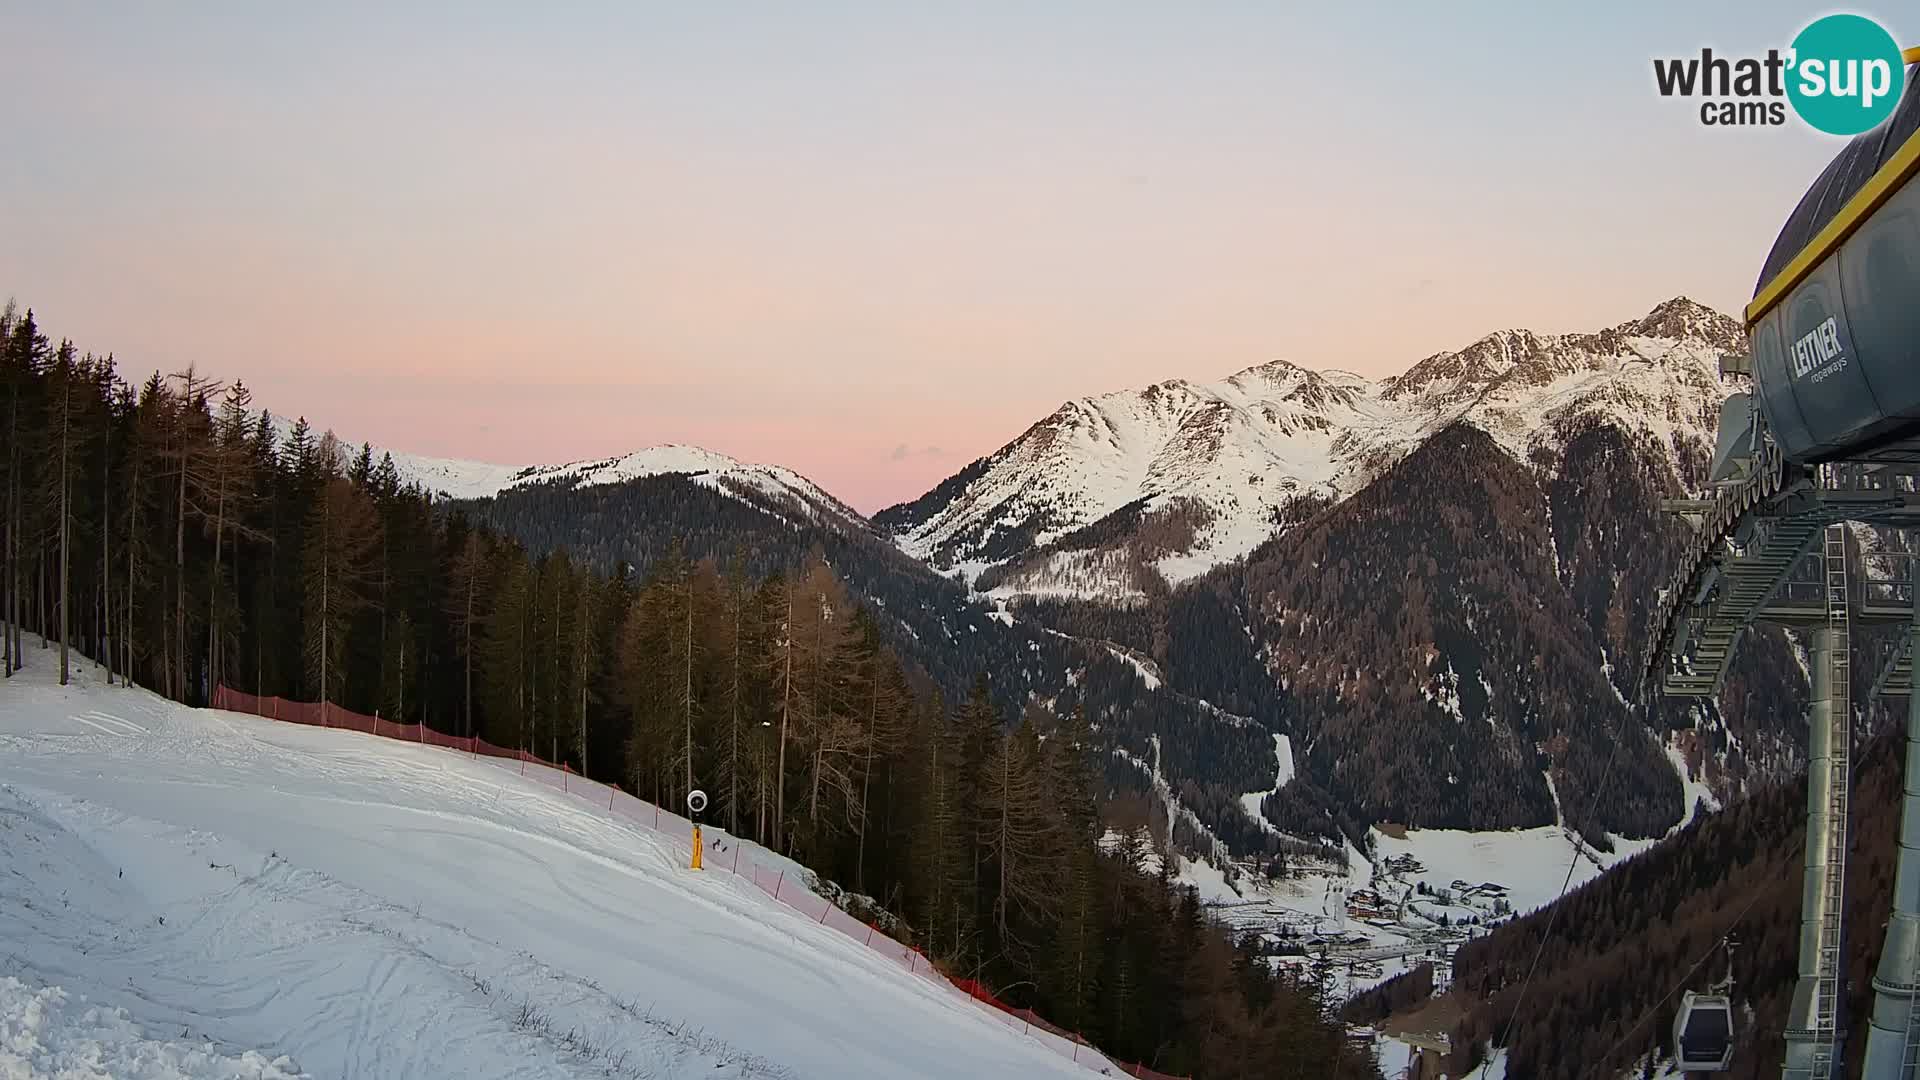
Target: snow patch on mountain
[[1283, 758]]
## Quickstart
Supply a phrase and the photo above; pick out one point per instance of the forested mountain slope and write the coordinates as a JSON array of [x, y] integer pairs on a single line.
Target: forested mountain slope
[[934, 623], [1438, 633], [1449, 646], [1440, 642], [1624, 941], [187, 542]]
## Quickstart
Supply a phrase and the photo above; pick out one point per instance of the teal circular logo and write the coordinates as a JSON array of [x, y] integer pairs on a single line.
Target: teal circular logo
[[1845, 75]]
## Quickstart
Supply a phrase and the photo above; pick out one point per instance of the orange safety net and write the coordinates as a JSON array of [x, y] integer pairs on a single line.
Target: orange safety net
[[724, 854]]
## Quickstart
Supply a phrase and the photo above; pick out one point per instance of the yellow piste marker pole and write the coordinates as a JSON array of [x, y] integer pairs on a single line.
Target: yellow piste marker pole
[[696, 846]]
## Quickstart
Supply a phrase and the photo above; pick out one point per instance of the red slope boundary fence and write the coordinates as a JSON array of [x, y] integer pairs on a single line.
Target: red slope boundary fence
[[620, 804]]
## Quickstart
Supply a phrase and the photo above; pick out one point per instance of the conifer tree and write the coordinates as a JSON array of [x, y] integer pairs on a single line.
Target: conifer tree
[[504, 648], [230, 490], [66, 425], [466, 589], [342, 537], [1021, 838]]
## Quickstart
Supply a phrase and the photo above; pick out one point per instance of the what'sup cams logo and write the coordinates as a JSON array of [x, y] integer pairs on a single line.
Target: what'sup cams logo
[[1843, 75]]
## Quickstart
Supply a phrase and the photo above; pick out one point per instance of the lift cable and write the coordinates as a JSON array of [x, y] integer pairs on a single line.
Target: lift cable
[[1553, 913], [1674, 989], [1853, 772]]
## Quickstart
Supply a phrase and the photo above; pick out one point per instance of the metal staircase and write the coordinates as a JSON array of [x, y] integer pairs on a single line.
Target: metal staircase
[[1840, 683], [1743, 587], [1896, 674], [1749, 544]]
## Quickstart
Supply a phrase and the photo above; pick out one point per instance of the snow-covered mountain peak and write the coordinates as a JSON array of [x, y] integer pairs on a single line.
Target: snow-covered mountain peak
[[771, 487], [1685, 319], [1207, 469]]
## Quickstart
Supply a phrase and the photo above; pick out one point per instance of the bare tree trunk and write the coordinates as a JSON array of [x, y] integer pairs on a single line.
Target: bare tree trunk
[[1006, 848], [213, 584], [786, 709], [687, 683], [471, 585], [133, 524], [326, 617], [530, 666], [385, 543], [733, 723], [66, 533], [106, 544], [866, 785], [179, 675], [554, 724], [583, 655], [6, 586], [8, 571]]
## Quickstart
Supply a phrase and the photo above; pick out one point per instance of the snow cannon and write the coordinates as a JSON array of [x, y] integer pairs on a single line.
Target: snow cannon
[[696, 805], [1834, 325]]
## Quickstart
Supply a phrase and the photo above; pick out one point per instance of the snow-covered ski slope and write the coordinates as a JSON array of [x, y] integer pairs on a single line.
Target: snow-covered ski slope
[[255, 898]]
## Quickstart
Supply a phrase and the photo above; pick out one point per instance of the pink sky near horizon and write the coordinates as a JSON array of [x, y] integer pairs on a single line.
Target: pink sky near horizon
[[870, 252]]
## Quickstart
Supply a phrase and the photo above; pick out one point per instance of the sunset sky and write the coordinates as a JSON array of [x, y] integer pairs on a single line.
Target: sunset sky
[[867, 241]]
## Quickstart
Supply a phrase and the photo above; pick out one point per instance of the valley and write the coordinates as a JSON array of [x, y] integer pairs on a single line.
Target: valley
[[1290, 553], [1384, 721]]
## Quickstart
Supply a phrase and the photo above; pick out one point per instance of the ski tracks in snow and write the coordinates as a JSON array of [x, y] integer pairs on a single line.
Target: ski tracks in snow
[[375, 909]]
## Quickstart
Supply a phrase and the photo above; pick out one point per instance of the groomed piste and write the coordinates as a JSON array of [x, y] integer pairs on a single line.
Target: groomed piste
[[266, 899]]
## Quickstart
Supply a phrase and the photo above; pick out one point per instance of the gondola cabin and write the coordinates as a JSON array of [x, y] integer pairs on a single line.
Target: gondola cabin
[[1703, 1033]]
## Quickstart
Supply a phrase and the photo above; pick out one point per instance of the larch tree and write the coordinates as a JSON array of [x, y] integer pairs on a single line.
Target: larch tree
[[783, 658], [190, 449], [504, 647], [1022, 839], [583, 652], [822, 635], [883, 733], [67, 408], [24, 359], [465, 593], [229, 491], [733, 696], [342, 537]]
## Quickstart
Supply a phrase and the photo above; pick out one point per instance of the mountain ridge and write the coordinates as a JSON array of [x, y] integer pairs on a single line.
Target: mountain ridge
[[1583, 433], [771, 487], [1211, 468]]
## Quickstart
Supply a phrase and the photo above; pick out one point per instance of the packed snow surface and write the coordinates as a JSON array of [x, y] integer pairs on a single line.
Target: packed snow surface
[[47, 1032], [218, 895]]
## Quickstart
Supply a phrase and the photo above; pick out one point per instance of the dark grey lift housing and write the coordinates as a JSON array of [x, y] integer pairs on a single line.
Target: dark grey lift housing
[[1835, 322]]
